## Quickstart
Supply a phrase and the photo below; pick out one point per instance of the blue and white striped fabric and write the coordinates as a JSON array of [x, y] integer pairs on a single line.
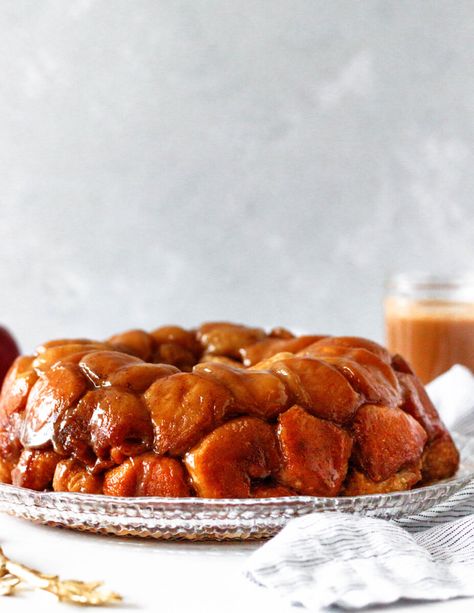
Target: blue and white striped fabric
[[327, 559]]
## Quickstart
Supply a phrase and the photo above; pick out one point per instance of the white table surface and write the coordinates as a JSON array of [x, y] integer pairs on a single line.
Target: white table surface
[[165, 577]]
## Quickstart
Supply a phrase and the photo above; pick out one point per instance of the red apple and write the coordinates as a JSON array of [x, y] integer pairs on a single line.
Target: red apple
[[8, 352]]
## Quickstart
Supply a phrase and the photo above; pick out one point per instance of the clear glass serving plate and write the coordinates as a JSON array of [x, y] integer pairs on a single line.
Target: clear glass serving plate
[[202, 518]]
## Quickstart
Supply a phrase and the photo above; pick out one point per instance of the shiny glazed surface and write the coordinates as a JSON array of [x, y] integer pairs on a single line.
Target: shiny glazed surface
[[224, 411]]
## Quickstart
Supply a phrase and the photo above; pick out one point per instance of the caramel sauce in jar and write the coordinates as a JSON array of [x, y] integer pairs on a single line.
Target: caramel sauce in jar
[[430, 322]]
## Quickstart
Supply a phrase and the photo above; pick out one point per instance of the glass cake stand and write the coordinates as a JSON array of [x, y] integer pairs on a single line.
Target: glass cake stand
[[204, 519]]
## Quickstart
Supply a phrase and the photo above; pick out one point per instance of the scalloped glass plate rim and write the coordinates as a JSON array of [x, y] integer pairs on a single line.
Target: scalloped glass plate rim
[[217, 519]]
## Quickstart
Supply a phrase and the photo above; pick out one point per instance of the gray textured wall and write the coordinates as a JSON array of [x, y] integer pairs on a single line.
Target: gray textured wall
[[269, 162]]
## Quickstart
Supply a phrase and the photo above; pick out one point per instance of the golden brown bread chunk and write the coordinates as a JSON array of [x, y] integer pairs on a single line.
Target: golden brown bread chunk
[[72, 476], [99, 366], [259, 393], [108, 424], [183, 408], [35, 469], [353, 342], [56, 353], [10, 444], [318, 387], [314, 453], [282, 333], [386, 440], [365, 371], [16, 388], [57, 390], [272, 491], [225, 461], [416, 402], [6, 468], [440, 459], [139, 377], [147, 475], [223, 338], [169, 345], [135, 342], [187, 339], [174, 345], [267, 363], [61, 342], [266, 348], [220, 359], [17, 385], [108, 368], [359, 484], [440, 456], [400, 365], [209, 412]]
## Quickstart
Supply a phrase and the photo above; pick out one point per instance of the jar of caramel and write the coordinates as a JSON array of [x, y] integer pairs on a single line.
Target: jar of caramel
[[429, 320]]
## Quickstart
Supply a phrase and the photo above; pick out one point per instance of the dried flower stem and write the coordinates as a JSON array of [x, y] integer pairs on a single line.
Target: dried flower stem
[[14, 576]]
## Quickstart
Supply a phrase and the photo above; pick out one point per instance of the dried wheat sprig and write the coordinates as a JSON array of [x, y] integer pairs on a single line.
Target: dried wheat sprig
[[13, 576]]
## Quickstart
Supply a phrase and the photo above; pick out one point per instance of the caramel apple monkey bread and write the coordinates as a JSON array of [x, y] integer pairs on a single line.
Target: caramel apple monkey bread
[[223, 411]]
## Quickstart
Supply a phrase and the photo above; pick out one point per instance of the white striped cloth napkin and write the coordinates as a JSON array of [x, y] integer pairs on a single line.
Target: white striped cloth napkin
[[352, 561]]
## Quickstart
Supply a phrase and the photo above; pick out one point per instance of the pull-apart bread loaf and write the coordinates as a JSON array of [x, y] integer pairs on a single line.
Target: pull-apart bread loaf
[[224, 411]]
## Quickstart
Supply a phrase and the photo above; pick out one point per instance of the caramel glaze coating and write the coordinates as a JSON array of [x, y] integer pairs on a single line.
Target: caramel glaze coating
[[56, 391], [72, 476], [352, 342], [315, 385], [440, 456], [440, 459], [108, 368], [54, 354], [6, 471], [17, 385], [16, 388], [258, 393], [184, 407], [35, 469], [108, 424], [385, 440], [264, 349], [222, 338], [272, 491], [147, 475], [314, 453], [365, 371], [357, 483], [220, 411], [225, 461]]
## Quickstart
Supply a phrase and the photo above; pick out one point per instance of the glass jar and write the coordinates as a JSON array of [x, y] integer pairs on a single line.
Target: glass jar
[[429, 320]]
